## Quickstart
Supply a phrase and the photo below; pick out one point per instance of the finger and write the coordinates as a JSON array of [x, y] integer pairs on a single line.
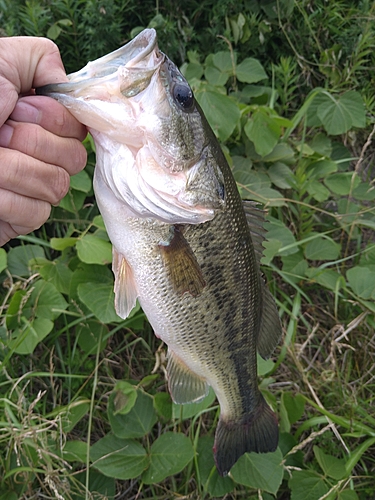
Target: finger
[[26, 176], [23, 214], [26, 62], [40, 144], [49, 114]]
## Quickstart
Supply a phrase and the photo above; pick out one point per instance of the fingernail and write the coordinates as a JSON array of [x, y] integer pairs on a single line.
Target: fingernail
[[25, 112], [6, 132]]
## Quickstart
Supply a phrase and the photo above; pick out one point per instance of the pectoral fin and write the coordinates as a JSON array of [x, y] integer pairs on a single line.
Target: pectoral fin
[[125, 287], [184, 385], [181, 264]]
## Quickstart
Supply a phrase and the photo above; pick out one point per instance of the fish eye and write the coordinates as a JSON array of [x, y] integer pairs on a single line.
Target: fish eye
[[183, 95]]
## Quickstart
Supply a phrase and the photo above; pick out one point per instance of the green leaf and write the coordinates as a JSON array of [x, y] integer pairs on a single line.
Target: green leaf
[[119, 458], [45, 301], [322, 248], [321, 168], [3, 259], [30, 336], [317, 190], [192, 70], [340, 113], [263, 131], [94, 250], [347, 495], [221, 112], [89, 333], [138, 422], [99, 298], [250, 71], [281, 175], [307, 485], [74, 414], [362, 281], [213, 484], [163, 405], [170, 453], [57, 273], [294, 405], [99, 486], [63, 243], [276, 230], [189, 410], [19, 258], [331, 466], [75, 451], [264, 366], [259, 471], [125, 396], [326, 277], [73, 201], [214, 76], [223, 60], [295, 265], [342, 183], [81, 182]]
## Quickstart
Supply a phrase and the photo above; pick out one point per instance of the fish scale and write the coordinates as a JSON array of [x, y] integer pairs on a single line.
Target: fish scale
[[184, 243]]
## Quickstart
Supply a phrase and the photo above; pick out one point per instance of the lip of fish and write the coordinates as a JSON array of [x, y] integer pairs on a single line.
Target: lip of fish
[[132, 64]]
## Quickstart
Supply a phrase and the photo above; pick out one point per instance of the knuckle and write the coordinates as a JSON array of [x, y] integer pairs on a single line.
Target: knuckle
[[60, 183]]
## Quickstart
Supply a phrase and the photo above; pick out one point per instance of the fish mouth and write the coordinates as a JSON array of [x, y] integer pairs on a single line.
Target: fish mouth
[[132, 64]]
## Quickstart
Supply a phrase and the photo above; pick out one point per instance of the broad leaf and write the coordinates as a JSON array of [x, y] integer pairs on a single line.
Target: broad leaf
[[362, 282], [212, 483], [29, 337], [137, 422], [19, 258], [322, 248], [119, 458], [340, 113], [170, 453], [221, 112], [262, 471], [94, 250], [99, 298], [81, 182], [45, 301], [307, 485], [3, 259], [263, 131], [331, 466], [250, 71]]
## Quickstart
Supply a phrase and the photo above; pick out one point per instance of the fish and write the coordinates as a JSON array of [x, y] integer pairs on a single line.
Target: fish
[[185, 245]]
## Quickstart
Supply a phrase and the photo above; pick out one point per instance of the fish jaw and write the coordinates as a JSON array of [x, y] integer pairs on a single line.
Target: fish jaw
[[98, 94]]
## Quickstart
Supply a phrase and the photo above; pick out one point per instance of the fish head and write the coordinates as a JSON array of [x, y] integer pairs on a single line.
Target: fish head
[[153, 150]]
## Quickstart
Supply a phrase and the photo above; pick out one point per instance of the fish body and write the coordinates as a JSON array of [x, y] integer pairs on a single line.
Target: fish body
[[184, 243]]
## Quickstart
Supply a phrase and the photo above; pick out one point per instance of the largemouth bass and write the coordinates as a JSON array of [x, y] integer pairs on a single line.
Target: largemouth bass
[[184, 243]]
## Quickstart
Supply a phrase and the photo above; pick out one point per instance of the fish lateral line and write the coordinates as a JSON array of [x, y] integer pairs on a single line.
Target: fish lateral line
[[180, 263]]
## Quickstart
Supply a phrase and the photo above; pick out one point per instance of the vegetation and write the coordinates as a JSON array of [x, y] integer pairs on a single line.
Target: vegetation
[[287, 86]]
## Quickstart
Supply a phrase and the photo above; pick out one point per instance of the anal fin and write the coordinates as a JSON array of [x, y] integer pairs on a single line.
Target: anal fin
[[181, 264], [125, 288], [184, 385]]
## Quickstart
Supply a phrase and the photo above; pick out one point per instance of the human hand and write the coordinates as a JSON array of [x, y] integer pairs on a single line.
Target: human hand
[[40, 141]]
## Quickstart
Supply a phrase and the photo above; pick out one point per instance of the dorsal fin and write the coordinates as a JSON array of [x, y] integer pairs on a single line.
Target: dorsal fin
[[270, 326], [255, 219]]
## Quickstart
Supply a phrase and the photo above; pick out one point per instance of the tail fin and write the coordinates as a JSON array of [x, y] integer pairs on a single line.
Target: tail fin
[[256, 431]]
